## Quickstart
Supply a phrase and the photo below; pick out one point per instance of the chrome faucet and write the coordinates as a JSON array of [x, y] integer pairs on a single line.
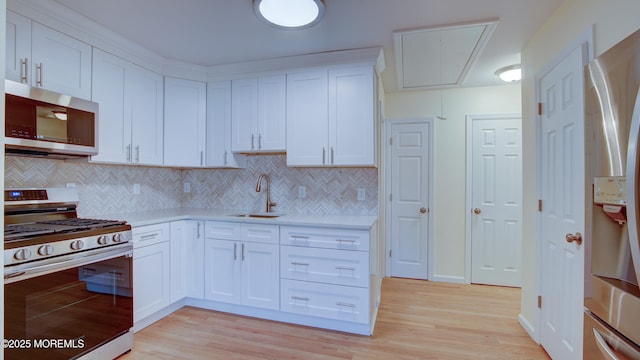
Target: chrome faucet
[[270, 203]]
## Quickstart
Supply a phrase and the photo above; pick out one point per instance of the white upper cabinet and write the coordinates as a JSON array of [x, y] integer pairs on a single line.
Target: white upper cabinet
[[331, 117], [42, 57], [184, 122], [218, 149], [258, 114], [130, 115]]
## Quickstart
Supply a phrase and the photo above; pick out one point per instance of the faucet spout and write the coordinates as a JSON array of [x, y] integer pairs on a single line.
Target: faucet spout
[[269, 203]]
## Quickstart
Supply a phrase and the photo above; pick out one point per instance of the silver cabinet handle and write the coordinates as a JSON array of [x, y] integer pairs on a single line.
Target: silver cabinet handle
[[129, 153], [39, 74], [299, 237], [198, 234], [346, 304], [201, 158], [137, 153], [348, 268], [225, 158], [259, 141], [299, 264], [346, 240], [235, 251], [24, 69], [332, 155], [150, 236], [300, 298], [242, 251], [252, 137]]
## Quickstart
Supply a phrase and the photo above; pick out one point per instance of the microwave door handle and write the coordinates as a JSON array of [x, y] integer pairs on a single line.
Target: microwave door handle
[[631, 190]]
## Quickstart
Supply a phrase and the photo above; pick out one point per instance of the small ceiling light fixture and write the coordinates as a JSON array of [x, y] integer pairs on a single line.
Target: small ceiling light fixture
[[510, 73], [289, 14]]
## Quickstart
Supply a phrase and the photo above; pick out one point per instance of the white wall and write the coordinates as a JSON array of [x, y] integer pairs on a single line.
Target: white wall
[[450, 168], [612, 20]]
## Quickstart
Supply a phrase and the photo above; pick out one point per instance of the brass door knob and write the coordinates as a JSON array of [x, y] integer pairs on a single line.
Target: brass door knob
[[577, 238], [423, 210], [477, 211]]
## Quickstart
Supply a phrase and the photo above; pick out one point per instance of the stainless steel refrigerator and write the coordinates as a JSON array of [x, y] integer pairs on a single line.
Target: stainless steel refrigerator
[[612, 115]]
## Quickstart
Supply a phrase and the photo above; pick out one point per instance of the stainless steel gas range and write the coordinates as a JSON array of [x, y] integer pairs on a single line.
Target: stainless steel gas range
[[68, 281]]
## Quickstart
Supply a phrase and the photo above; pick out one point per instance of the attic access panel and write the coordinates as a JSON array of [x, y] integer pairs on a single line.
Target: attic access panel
[[439, 57]]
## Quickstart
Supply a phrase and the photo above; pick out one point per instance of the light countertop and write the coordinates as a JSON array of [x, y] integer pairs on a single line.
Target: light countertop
[[161, 216]]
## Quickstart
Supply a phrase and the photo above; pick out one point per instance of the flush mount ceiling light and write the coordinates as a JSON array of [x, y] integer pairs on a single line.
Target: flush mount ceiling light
[[289, 14], [510, 73]]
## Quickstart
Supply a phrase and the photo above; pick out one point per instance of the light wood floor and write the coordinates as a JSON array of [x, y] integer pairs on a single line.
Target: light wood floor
[[416, 320]]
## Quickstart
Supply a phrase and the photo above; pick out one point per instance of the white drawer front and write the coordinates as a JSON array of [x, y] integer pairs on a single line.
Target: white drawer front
[[325, 265], [222, 230], [268, 234], [326, 301], [325, 238], [150, 234]]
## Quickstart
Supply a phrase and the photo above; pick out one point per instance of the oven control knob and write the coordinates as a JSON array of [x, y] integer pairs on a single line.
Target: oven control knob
[[22, 254], [45, 250], [103, 240], [77, 245], [117, 238]]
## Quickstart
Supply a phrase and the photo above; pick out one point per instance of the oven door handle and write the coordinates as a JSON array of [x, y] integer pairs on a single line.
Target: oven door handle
[[28, 270]]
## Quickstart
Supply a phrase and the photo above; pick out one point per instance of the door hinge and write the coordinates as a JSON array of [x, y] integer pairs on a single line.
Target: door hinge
[[539, 108], [539, 301], [539, 205]]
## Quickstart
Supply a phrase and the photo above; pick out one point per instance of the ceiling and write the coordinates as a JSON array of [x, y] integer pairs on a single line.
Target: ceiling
[[214, 32]]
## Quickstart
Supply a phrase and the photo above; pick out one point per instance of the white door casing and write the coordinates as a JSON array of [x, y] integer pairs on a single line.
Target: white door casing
[[562, 194], [494, 221], [411, 144]]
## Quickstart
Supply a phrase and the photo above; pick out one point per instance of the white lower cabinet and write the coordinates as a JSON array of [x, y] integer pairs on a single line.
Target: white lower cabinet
[[151, 270], [325, 273], [242, 264], [187, 260], [325, 300]]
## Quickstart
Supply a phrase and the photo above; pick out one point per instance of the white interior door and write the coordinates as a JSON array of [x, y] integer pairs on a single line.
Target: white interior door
[[496, 200], [409, 199], [562, 194]]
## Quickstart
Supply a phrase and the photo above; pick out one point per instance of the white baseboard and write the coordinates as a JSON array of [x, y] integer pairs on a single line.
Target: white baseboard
[[449, 279], [526, 325]]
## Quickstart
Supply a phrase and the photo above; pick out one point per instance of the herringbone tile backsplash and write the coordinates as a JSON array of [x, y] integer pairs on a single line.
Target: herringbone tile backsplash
[[108, 189]]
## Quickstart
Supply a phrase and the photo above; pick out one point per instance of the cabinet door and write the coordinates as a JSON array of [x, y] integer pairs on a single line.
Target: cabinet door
[[244, 114], [144, 97], [184, 122], [114, 128], [307, 130], [260, 275], [187, 260], [151, 279], [218, 152], [60, 63], [271, 113], [351, 116], [18, 48], [222, 270]]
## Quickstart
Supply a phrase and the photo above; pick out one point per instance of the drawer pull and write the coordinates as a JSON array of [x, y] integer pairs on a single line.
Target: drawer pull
[[298, 237], [299, 264], [300, 298], [151, 236], [346, 304], [348, 268], [346, 240]]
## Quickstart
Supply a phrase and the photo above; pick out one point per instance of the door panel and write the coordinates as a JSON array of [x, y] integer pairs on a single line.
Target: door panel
[[410, 199], [496, 186], [562, 194]]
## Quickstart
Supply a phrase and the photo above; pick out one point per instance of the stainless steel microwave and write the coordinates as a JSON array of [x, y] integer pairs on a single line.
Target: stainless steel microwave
[[44, 123]]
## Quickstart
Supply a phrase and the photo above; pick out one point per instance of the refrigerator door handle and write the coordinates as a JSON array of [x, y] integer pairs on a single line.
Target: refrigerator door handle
[[603, 346], [631, 181]]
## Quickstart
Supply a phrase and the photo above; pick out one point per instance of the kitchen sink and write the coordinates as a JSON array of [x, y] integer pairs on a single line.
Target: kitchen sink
[[261, 215]]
